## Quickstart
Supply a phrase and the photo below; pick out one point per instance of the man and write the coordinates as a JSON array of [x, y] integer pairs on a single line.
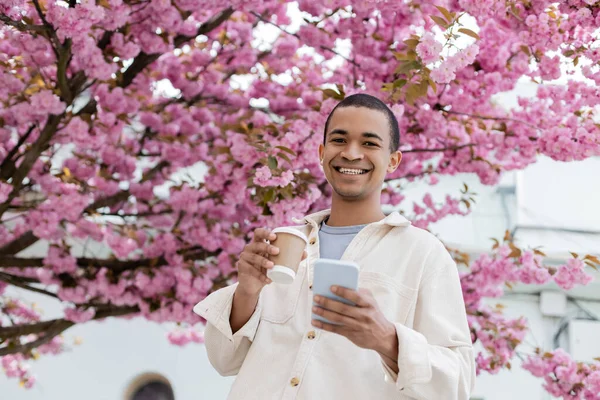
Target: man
[[406, 338]]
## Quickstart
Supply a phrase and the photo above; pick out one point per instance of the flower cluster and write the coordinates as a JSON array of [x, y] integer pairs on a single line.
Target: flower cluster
[[564, 377]]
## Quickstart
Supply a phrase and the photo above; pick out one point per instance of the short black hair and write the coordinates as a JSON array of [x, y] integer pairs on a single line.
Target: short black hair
[[373, 103]]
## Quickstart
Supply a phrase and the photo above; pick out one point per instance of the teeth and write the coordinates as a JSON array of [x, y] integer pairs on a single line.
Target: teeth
[[352, 171]]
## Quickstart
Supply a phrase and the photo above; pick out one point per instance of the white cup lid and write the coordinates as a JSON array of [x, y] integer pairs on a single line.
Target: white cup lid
[[291, 231], [281, 274]]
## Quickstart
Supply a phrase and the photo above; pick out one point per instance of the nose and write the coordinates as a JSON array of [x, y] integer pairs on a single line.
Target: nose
[[352, 153]]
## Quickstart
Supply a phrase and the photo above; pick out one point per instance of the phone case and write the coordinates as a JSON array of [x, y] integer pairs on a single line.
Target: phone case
[[328, 272]]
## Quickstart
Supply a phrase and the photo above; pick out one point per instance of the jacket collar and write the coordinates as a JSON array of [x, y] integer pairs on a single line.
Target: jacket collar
[[393, 219]]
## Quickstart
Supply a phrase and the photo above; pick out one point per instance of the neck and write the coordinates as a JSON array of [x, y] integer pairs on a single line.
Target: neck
[[348, 213]]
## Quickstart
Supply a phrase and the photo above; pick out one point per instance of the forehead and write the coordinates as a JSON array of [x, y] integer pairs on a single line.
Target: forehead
[[358, 120]]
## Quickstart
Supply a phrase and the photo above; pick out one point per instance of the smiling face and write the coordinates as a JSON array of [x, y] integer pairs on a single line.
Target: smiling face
[[356, 155]]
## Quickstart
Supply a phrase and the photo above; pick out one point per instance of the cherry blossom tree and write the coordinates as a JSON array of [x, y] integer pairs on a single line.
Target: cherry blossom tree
[[109, 108]]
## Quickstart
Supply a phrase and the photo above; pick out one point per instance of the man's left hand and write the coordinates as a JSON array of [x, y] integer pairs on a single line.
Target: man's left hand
[[363, 324]]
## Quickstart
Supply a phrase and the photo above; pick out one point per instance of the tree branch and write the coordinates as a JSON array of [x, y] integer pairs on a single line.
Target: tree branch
[[439, 107], [115, 265], [410, 176], [154, 170], [109, 201], [18, 281], [61, 72], [145, 59], [51, 329], [53, 38], [8, 166], [453, 148], [266, 21], [18, 244], [41, 29], [105, 40], [30, 158]]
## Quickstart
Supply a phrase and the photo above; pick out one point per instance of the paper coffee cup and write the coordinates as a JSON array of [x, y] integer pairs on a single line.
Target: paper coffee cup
[[291, 243]]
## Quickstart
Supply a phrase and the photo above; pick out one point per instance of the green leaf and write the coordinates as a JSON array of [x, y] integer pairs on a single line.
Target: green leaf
[[286, 149], [269, 195], [411, 43], [469, 32], [432, 84], [412, 94], [591, 265], [330, 93], [272, 162], [407, 66], [386, 87], [539, 252], [285, 157], [399, 83], [447, 14], [440, 21], [422, 88], [377, 37], [408, 56]]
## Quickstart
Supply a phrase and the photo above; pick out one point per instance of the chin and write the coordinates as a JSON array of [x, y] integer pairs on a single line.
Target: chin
[[349, 194]]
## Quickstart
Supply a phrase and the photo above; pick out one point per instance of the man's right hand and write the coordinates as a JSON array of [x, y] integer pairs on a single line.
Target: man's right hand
[[254, 263]]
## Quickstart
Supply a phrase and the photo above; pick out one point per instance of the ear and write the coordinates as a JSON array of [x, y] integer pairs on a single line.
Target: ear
[[321, 151], [395, 159]]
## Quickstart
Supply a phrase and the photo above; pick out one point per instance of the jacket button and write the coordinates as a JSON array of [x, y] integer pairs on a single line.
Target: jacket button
[[295, 381], [311, 335], [312, 240]]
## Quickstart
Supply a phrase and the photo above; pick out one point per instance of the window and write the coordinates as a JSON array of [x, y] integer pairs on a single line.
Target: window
[[149, 386]]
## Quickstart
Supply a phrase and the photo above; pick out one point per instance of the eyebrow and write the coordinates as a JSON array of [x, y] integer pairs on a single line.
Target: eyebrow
[[364, 134]]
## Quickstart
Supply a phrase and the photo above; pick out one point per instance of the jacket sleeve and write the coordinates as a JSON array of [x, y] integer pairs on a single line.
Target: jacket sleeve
[[226, 351], [435, 358]]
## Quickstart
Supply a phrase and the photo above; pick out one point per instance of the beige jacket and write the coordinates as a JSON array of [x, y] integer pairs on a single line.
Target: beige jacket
[[278, 354]]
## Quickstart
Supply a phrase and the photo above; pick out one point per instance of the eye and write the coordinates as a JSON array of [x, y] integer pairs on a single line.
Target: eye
[[337, 140], [370, 144]]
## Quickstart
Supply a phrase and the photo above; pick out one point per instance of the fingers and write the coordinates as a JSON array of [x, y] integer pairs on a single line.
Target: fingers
[[337, 307], [256, 260], [334, 317], [262, 234], [248, 269], [360, 298], [339, 329], [262, 248]]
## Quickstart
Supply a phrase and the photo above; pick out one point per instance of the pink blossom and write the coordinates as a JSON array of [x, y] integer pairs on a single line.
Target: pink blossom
[[79, 315], [46, 102], [5, 190], [445, 73], [429, 49], [262, 176]]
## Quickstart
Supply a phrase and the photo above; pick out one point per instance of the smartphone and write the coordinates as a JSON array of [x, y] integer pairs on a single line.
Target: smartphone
[[327, 273]]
